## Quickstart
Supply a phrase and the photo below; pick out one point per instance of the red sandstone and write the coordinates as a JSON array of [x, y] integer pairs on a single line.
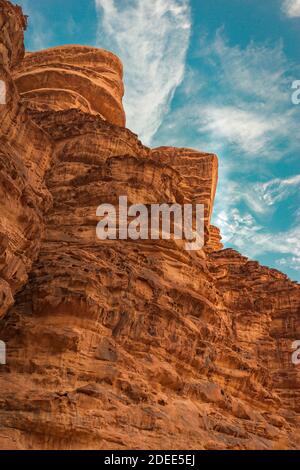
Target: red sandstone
[[122, 345]]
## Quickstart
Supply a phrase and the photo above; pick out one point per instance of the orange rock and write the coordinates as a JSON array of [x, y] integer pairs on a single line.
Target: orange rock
[[76, 77], [123, 344]]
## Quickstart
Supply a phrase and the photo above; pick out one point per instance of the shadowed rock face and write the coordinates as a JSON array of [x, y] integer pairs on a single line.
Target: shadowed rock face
[[25, 152], [123, 344]]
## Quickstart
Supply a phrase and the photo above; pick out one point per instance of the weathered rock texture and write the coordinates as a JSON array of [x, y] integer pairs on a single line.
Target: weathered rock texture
[[25, 152], [123, 344], [73, 77]]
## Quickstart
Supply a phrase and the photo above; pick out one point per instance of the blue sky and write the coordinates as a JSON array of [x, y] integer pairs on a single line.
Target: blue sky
[[215, 75]]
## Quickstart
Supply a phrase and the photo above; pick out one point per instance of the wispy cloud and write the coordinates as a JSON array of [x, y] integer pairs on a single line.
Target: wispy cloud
[[241, 109], [292, 262], [261, 198], [254, 113], [291, 8], [245, 128], [286, 242], [277, 190], [152, 40], [237, 228]]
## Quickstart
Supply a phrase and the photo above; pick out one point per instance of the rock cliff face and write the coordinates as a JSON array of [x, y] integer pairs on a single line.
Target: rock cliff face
[[25, 152], [124, 344]]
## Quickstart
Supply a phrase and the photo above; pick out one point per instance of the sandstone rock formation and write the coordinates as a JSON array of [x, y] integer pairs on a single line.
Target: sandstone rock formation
[[73, 77], [25, 152], [124, 344]]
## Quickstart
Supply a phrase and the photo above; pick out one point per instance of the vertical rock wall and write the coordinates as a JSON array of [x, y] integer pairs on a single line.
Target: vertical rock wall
[[124, 344]]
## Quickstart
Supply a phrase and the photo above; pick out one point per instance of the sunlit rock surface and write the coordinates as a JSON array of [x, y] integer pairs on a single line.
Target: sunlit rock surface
[[122, 344], [77, 77], [25, 152]]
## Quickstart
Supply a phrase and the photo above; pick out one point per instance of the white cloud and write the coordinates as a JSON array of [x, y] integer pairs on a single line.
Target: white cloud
[[256, 71], [251, 108], [247, 129], [277, 190], [262, 197], [242, 111], [291, 8], [243, 233], [236, 228], [287, 242], [152, 40], [289, 262]]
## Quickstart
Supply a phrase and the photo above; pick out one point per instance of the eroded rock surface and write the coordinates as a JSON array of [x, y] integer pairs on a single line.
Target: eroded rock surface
[[25, 152], [124, 344]]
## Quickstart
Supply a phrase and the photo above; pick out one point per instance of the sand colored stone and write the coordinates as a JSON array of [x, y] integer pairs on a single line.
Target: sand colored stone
[[122, 344]]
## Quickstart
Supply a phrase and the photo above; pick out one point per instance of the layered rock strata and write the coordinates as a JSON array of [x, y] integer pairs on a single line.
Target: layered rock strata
[[128, 344], [25, 152], [77, 77]]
